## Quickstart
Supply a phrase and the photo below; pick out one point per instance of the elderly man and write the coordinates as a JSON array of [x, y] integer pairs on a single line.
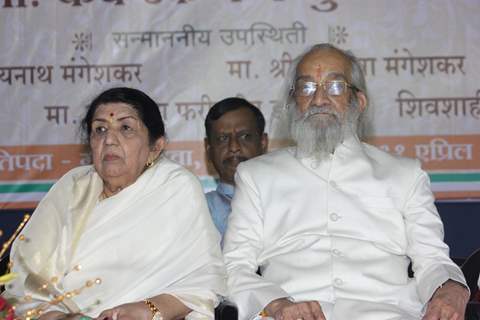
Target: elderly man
[[235, 133], [333, 223]]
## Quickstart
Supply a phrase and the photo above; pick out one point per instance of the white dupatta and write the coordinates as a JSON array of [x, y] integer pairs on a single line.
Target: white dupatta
[[155, 236]]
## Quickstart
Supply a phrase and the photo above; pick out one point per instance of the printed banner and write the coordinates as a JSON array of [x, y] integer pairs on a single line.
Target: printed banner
[[420, 59]]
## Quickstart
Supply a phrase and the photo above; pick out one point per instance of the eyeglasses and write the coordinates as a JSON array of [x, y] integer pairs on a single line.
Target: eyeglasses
[[333, 88]]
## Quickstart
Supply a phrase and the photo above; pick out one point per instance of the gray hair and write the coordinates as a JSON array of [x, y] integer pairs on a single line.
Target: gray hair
[[357, 80]]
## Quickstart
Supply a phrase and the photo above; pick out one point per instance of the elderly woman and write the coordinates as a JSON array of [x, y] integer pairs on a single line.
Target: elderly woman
[[127, 238]]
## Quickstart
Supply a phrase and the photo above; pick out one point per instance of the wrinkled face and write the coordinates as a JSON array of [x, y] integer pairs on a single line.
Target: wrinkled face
[[234, 138], [325, 111], [119, 143], [319, 67]]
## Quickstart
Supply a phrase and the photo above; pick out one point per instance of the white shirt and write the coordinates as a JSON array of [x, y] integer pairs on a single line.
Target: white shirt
[[339, 232]]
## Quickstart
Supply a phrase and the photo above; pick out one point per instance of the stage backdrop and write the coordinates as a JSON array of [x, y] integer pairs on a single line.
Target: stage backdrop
[[421, 60]]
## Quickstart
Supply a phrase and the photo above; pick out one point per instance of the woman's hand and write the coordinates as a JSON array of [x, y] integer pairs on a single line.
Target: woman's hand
[[58, 315], [170, 308], [127, 311]]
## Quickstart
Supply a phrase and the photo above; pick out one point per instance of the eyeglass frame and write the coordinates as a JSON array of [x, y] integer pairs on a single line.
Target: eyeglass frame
[[322, 84]]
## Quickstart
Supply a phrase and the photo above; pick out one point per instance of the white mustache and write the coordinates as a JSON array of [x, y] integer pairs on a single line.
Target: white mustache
[[313, 110]]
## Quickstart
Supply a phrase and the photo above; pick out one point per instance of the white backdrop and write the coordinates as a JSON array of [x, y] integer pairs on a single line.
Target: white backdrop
[[420, 59]]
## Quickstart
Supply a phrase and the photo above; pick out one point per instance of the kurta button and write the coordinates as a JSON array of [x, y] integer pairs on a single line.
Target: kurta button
[[338, 281], [334, 216], [333, 184], [337, 252]]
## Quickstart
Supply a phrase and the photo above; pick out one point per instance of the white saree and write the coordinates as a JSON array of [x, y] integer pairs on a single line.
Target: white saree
[[155, 236]]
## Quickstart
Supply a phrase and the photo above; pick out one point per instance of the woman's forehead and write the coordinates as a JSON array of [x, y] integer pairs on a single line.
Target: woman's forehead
[[115, 110]]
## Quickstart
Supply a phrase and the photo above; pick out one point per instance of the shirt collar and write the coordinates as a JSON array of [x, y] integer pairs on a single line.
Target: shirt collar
[[225, 189]]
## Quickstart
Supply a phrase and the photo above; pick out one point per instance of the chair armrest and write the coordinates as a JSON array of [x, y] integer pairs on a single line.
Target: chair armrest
[[473, 311], [226, 310]]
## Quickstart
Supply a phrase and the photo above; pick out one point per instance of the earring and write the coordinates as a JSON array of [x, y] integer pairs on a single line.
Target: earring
[[149, 164]]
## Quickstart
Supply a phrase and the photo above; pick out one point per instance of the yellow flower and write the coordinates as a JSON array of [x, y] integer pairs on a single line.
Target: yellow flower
[[7, 277]]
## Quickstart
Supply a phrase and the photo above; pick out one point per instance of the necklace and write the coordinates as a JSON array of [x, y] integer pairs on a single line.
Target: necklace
[[104, 196]]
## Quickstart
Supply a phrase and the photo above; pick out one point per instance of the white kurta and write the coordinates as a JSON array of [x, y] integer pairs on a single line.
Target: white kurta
[[341, 232], [155, 236]]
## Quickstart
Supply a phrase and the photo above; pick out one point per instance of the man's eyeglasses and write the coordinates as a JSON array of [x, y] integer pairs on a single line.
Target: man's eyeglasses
[[333, 88]]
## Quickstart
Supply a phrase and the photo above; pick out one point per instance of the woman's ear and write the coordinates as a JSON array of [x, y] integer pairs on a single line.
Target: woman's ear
[[157, 147]]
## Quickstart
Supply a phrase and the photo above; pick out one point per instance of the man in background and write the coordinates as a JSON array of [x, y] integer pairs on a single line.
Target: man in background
[[235, 133]]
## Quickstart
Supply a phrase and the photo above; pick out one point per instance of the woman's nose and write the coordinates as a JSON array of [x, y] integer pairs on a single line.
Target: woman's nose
[[111, 137]]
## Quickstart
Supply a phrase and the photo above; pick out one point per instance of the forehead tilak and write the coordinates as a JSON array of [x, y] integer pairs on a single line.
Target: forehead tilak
[[317, 70], [324, 63]]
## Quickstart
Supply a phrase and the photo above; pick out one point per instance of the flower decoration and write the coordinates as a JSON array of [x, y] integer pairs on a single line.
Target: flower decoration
[[7, 311], [7, 306]]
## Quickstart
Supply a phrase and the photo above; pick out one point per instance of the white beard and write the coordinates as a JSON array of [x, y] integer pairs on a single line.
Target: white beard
[[320, 130]]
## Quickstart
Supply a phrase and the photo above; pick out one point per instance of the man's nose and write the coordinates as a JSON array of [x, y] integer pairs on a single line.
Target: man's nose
[[233, 144], [320, 97]]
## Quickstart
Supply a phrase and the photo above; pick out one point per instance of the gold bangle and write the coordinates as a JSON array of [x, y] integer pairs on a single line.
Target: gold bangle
[[156, 314]]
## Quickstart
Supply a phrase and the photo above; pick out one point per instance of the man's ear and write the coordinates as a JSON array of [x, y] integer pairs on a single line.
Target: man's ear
[[208, 159], [207, 147], [362, 101], [264, 142]]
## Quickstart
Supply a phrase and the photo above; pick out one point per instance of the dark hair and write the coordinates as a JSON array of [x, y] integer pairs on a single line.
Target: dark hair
[[231, 104], [147, 109]]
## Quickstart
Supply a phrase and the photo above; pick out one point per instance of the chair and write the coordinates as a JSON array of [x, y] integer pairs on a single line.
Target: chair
[[226, 310], [473, 311], [471, 271], [458, 260]]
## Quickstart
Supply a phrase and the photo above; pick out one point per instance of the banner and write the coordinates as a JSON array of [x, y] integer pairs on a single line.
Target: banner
[[420, 59]]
